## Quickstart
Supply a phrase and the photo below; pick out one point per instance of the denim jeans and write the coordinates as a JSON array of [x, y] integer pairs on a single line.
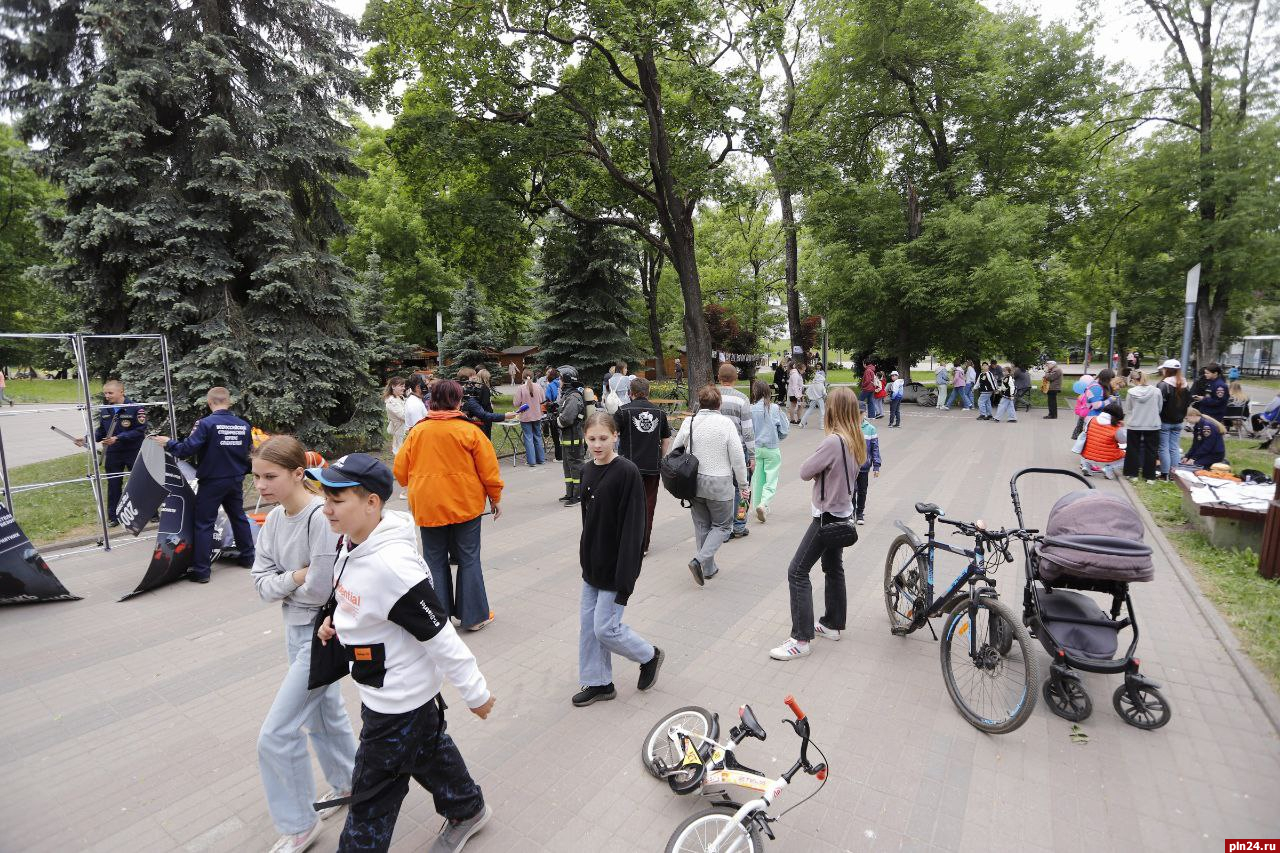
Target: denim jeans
[[968, 395], [895, 412], [860, 492], [764, 482], [942, 394], [1170, 447], [535, 453], [1006, 409], [468, 601], [712, 522], [956, 395], [601, 634], [283, 759], [399, 747], [984, 404], [868, 399], [801, 588], [819, 406]]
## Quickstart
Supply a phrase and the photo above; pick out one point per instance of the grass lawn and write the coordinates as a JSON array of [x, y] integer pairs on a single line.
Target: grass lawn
[[49, 390], [1230, 579]]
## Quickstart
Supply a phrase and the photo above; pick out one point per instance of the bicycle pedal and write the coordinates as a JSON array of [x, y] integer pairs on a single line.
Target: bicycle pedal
[[900, 632]]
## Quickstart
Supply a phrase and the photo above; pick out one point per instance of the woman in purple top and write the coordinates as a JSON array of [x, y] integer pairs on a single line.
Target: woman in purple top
[[833, 468]]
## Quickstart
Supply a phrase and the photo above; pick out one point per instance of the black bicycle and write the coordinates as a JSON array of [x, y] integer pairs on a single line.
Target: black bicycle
[[988, 664]]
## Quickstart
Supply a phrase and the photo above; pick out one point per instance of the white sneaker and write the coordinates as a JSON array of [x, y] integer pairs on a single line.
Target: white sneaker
[[761, 512], [820, 630], [790, 650], [297, 843], [1109, 473], [334, 794]]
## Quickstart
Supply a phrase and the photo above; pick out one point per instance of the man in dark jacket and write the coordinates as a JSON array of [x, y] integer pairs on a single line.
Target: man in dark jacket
[[121, 428], [571, 417], [222, 442], [644, 437], [1215, 396]]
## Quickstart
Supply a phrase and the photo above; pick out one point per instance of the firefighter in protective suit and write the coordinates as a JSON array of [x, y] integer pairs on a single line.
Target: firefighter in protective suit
[[572, 416]]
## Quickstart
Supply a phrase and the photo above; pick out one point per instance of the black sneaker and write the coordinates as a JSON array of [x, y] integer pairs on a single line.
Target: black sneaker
[[739, 533], [591, 695], [649, 671], [198, 578], [695, 568], [113, 522]]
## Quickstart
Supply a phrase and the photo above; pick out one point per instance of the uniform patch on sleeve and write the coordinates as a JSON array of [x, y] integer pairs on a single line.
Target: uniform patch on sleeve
[[419, 612]]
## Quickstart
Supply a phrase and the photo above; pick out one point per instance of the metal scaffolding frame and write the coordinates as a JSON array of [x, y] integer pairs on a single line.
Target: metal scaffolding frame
[[77, 342]]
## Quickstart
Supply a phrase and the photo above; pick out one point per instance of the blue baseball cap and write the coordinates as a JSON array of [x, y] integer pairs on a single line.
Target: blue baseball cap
[[356, 469]]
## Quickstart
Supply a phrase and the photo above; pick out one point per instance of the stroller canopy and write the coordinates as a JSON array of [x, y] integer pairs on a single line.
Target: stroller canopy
[[1094, 535]]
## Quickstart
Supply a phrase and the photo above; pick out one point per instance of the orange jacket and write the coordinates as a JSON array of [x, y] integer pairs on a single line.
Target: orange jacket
[[450, 467], [1100, 443]]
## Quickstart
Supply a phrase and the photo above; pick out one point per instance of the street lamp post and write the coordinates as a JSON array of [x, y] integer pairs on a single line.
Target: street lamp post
[[1189, 319], [1088, 336], [440, 339], [1111, 343], [824, 342]]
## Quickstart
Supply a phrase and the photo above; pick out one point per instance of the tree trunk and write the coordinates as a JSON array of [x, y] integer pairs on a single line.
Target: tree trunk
[[675, 217], [904, 349], [650, 273], [792, 254]]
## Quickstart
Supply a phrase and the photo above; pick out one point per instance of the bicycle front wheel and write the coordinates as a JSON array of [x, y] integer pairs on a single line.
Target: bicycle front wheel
[[698, 831], [993, 690]]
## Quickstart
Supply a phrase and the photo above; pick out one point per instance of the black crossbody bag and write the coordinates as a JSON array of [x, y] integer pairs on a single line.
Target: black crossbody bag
[[833, 531], [329, 659]]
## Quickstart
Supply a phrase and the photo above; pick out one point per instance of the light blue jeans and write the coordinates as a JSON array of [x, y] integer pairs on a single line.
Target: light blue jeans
[[1006, 408], [820, 406], [602, 634], [1170, 447], [984, 403], [535, 452], [283, 760]]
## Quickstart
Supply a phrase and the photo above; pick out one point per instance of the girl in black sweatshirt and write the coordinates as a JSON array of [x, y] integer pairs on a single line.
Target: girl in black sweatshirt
[[613, 519]]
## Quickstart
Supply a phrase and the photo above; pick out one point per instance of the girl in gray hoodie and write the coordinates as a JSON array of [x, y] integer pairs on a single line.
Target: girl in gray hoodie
[[1142, 420]]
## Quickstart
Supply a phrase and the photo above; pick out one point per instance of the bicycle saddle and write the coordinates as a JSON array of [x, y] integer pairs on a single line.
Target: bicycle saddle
[[750, 723], [928, 509]]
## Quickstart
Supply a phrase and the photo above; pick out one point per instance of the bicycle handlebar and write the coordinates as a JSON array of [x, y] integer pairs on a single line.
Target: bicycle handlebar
[[790, 702]]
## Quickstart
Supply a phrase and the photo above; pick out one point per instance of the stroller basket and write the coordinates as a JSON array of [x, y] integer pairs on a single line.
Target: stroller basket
[[1096, 536]]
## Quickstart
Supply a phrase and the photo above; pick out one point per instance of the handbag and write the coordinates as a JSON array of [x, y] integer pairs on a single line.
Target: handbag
[[679, 470], [833, 531], [329, 659], [1044, 386]]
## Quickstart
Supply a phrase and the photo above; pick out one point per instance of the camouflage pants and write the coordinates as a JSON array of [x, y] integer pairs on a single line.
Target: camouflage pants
[[394, 747]]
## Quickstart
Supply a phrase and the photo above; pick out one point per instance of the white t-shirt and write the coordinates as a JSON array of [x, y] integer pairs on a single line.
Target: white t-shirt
[[414, 411]]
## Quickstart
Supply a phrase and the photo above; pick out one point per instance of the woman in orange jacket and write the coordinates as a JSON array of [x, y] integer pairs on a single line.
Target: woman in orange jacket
[[450, 469]]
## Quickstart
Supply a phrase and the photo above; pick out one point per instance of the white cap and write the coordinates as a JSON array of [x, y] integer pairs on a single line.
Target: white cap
[[893, 373], [1171, 364]]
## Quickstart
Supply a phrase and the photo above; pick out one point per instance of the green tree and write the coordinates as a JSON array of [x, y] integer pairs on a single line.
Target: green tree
[[385, 347], [588, 287], [28, 301], [197, 145], [619, 112], [742, 256], [468, 340]]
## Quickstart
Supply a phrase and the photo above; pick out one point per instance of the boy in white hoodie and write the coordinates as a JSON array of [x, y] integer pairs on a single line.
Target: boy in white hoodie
[[401, 647]]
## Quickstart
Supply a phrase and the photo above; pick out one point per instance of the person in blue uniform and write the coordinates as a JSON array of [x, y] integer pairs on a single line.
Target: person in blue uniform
[[121, 428], [222, 442]]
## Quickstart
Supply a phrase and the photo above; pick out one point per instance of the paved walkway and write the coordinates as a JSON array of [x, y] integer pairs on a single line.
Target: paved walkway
[[26, 433], [131, 726]]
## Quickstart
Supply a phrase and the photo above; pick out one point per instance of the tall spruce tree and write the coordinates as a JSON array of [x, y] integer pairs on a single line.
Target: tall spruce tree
[[197, 144], [384, 344], [470, 336], [585, 269]]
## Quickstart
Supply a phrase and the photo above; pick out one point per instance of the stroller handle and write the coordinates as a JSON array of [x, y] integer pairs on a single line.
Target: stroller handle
[[1013, 481]]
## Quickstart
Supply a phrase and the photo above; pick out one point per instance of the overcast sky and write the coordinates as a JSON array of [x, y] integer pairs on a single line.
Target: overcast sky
[[1119, 38]]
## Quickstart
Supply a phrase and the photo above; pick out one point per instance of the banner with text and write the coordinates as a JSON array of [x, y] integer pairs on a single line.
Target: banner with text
[[25, 577]]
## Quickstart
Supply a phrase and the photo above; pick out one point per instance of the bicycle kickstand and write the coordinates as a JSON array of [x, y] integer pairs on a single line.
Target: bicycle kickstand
[[929, 622]]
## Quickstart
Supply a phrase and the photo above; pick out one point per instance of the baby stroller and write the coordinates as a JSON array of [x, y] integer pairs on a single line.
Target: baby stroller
[[1092, 542]]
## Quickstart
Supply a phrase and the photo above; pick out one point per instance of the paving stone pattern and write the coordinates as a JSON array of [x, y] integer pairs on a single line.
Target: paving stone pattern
[[132, 726]]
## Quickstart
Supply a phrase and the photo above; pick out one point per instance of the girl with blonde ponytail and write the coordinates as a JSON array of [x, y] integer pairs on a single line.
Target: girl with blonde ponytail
[[833, 468]]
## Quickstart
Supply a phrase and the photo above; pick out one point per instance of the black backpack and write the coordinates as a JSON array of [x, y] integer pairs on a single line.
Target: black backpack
[[680, 470]]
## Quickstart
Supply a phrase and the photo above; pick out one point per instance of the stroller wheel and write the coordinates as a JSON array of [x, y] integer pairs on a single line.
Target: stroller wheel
[[1141, 705], [1067, 698]]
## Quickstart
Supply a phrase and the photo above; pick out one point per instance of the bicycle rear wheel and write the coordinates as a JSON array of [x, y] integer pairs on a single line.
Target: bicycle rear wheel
[[699, 830], [904, 581], [994, 691], [658, 746]]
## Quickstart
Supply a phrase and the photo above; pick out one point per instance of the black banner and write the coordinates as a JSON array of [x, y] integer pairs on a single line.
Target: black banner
[[157, 481], [25, 577]]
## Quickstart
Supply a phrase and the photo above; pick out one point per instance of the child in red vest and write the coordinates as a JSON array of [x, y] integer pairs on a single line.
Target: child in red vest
[[1102, 442]]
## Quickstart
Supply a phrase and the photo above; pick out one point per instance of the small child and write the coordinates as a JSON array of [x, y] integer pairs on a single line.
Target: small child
[[401, 647], [613, 522], [1102, 442], [895, 399], [1207, 446], [870, 466]]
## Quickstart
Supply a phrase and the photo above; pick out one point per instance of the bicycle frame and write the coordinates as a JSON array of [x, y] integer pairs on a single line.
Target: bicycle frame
[[973, 572]]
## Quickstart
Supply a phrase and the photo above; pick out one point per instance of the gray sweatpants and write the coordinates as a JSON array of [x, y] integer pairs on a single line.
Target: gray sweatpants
[[712, 524]]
